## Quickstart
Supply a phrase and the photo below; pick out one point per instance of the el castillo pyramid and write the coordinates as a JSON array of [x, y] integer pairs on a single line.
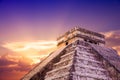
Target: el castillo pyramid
[[81, 55]]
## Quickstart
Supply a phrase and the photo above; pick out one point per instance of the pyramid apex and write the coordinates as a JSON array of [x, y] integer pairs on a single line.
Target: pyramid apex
[[82, 34]]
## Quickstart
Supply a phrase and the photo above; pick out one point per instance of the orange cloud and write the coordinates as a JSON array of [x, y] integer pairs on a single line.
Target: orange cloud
[[117, 48], [22, 57], [113, 40], [32, 50], [13, 65], [23, 46], [12, 75]]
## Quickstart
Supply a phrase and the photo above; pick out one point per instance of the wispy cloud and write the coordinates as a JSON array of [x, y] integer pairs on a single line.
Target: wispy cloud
[[23, 56], [33, 50], [22, 46], [14, 65], [113, 39]]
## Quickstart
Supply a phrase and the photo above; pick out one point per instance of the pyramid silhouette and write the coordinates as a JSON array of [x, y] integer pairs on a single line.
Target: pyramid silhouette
[[81, 55]]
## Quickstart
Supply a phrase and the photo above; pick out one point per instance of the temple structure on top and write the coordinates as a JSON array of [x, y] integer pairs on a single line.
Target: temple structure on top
[[78, 33], [81, 55]]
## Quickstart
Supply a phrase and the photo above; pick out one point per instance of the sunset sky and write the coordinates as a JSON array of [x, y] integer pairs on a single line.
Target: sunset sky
[[29, 28]]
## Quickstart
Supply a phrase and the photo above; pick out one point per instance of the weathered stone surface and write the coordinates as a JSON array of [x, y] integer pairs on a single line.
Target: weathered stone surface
[[78, 60]]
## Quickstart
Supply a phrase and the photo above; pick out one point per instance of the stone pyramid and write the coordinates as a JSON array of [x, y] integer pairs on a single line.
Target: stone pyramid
[[81, 55]]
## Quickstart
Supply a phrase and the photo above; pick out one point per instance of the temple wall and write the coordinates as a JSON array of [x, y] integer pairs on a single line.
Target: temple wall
[[80, 63], [82, 34], [84, 59], [87, 66], [82, 31], [115, 74], [64, 43], [61, 69]]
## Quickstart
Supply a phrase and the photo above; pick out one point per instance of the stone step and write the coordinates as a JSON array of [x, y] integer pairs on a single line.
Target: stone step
[[98, 77], [70, 54], [58, 76], [58, 71], [90, 64], [62, 63], [85, 52], [90, 67], [60, 68], [67, 54], [70, 49], [86, 59], [81, 46]]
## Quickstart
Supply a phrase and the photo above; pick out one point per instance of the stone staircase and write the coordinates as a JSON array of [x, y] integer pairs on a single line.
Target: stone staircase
[[61, 69], [78, 63]]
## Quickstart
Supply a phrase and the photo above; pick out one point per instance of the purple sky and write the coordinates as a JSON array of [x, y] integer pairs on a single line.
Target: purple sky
[[26, 19]]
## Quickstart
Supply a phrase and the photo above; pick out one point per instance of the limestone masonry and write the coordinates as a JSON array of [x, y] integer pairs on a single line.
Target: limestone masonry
[[81, 55]]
